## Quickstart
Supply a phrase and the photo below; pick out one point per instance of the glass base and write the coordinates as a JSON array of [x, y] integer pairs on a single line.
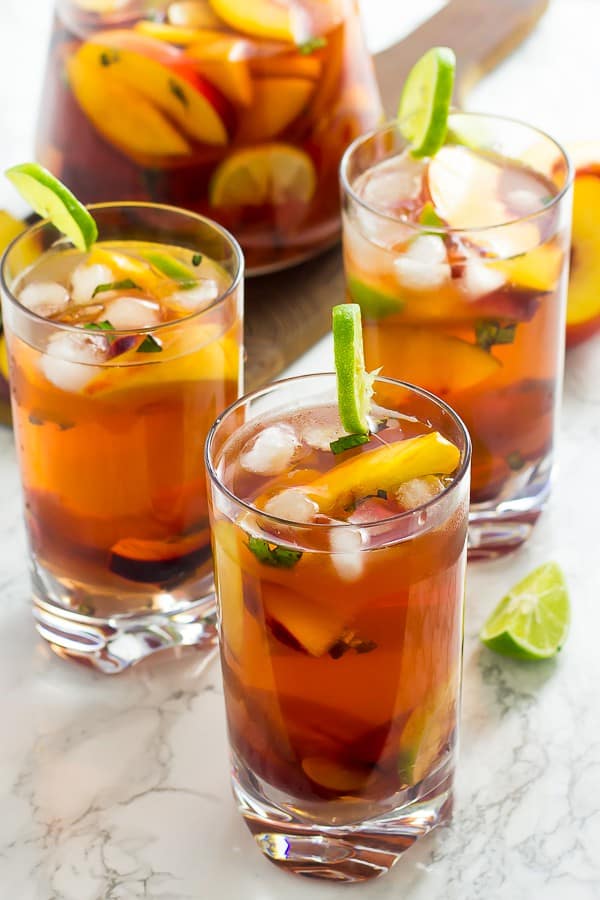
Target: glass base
[[113, 643], [363, 844], [501, 526]]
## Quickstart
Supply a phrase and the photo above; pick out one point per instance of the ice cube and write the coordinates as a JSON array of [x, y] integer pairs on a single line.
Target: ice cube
[[523, 202], [125, 313], [418, 491], [346, 557], [271, 452], [72, 359], [85, 279], [196, 297], [393, 182], [424, 266], [45, 298], [479, 279], [293, 505], [320, 436]]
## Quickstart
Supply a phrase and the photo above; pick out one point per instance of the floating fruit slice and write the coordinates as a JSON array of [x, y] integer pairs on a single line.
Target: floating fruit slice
[[229, 585], [274, 173], [275, 105], [192, 14], [354, 383], [383, 469], [49, 198], [260, 18], [532, 621], [426, 731], [374, 302], [154, 562], [124, 117], [221, 62], [10, 228], [537, 270], [3, 358], [171, 34], [425, 101], [442, 363], [162, 75], [335, 776], [286, 66], [315, 624]]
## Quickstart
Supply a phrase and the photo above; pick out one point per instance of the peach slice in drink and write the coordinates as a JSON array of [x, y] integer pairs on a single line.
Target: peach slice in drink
[[277, 102]]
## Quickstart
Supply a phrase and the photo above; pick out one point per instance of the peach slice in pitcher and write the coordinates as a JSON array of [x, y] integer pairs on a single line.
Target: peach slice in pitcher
[[258, 18], [277, 102], [222, 61], [160, 74]]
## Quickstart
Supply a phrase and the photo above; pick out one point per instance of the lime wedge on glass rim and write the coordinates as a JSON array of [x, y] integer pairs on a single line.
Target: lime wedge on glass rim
[[532, 620], [354, 383], [52, 200], [425, 101]]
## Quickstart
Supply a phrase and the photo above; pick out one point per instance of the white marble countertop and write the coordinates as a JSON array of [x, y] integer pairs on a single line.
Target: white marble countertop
[[114, 789]]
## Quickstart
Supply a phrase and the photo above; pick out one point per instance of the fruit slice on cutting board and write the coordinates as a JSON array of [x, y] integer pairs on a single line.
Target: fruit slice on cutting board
[[271, 174], [259, 18], [142, 67], [583, 306], [276, 103]]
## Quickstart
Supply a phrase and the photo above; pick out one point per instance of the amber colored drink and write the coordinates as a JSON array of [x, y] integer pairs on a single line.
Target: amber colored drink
[[120, 359], [340, 630], [459, 264], [238, 110]]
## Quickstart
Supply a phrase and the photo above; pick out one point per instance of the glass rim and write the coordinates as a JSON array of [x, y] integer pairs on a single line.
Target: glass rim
[[259, 392], [126, 204], [392, 124]]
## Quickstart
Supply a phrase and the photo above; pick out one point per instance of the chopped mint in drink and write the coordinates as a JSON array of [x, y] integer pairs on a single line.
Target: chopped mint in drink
[[126, 284], [149, 345], [489, 332], [347, 442], [272, 554]]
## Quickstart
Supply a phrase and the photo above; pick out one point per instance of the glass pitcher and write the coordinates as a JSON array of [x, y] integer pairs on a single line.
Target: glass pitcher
[[237, 109]]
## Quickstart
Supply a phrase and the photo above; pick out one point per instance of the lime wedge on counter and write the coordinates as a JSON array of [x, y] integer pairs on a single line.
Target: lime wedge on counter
[[425, 101], [52, 200], [532, 621], [354, 383]]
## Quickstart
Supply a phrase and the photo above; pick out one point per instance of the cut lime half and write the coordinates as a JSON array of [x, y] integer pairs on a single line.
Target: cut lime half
[[532, 621], [425, 101], [354, 383], [52, 200]]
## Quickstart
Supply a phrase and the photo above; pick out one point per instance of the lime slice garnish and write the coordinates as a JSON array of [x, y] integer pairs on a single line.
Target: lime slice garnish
[[354, 383], [532, 621], [52, 200], [425, 101]]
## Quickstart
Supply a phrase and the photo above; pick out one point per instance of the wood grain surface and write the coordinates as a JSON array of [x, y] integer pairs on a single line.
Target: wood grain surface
[[286, 313]]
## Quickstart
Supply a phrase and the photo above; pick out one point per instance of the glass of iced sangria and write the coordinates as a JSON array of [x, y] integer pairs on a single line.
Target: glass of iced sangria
[[459, 262], [120, 358], [238, 110], [340, 564]]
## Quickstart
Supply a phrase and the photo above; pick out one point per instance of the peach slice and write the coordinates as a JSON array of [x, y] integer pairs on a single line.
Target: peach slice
[[171, 34], [286, 66], [277, 102], [313, 623], [537, 270], [259, 18], [222, 63], [123, 116], [3, 358], [229, 584], [442, 363], [335, 776], [192, 14], [583, 305], [163, 76]]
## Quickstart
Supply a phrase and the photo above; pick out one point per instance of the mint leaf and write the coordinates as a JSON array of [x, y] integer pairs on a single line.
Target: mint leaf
[[99, 326], [489, 332], [272, 554], [149, 345], [126, 284], [429, 217], [515, 461], [308, 47], [196, 259], [347, 442]]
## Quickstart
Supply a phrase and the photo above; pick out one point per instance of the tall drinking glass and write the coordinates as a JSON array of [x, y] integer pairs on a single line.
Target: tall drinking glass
[[340, 631], [460, 264], [119, 361]]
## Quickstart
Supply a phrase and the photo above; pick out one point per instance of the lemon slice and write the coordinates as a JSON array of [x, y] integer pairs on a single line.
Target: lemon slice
[[425, 101], [272, 173], [52, 200]]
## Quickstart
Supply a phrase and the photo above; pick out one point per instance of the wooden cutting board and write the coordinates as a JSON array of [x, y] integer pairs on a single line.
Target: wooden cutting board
[[286, 313]]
